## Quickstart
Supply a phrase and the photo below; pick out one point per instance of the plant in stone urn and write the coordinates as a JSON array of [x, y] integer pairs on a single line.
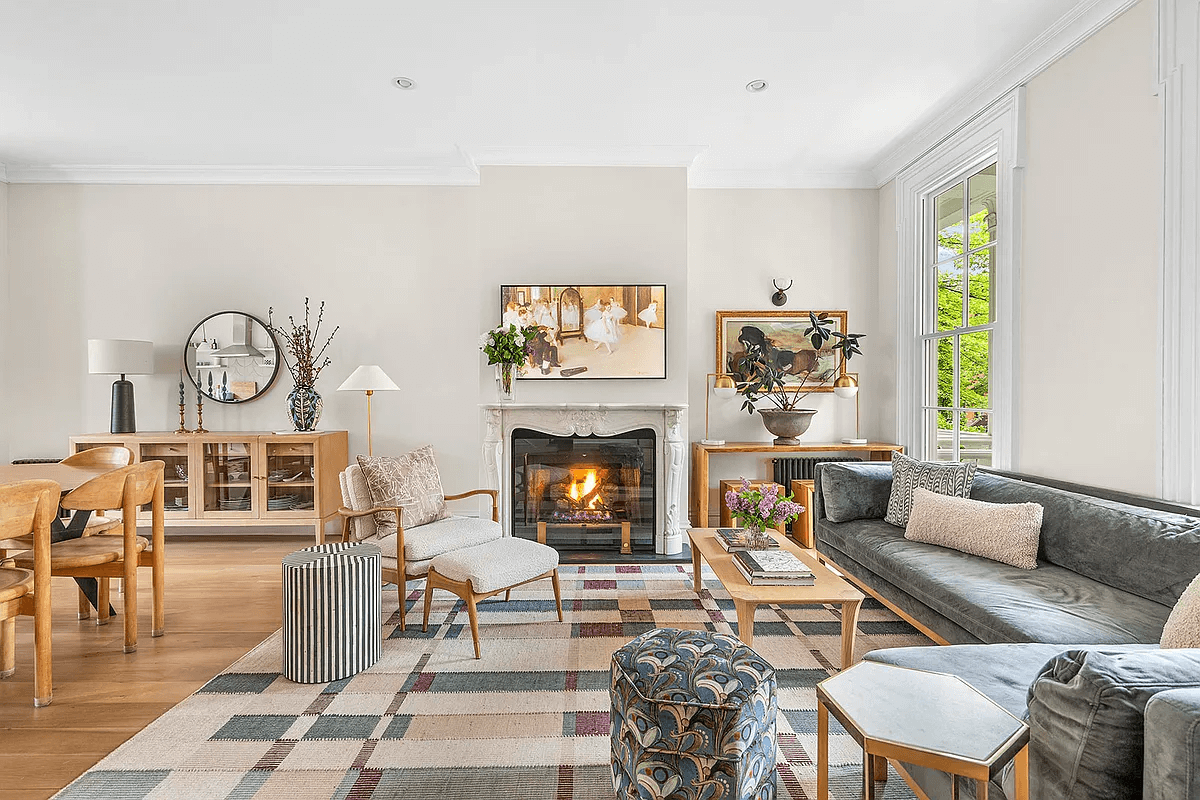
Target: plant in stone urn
[[760, 507], [507, 347], [762, 377], [305, 364]]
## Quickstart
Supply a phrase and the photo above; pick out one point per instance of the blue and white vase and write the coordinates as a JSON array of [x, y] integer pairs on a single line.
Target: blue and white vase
[[304, 406]]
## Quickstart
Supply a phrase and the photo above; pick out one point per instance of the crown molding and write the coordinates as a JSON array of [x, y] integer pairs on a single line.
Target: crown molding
[[443, 175], [585, 156], [1068, 32], [699, 178]]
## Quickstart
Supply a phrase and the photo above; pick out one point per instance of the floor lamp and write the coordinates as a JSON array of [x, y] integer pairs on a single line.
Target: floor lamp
[[368, 378], [845, 387], [724, 388]]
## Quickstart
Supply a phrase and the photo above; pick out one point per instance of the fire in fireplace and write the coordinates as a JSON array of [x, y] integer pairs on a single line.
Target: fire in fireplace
[[585, 492]]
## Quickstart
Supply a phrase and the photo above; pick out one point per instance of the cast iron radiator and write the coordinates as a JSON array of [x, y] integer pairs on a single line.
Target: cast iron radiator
[[800, 469]]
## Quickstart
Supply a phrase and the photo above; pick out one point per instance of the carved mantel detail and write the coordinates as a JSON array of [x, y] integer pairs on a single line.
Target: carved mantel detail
[[579, 419]]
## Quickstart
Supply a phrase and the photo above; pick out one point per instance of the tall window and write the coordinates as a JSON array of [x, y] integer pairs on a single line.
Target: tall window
[[959, 317]]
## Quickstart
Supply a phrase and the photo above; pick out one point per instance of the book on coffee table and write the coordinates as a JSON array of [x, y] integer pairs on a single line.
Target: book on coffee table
[[772, 567], [735, 539]]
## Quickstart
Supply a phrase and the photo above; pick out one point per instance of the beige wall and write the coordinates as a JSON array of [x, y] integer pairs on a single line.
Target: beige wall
[[5, 410], [148, 262], [738, 240], [884, 369], [1088, 395]]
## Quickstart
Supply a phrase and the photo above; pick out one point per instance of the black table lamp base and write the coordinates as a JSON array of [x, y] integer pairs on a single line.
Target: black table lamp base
[[122, 407]]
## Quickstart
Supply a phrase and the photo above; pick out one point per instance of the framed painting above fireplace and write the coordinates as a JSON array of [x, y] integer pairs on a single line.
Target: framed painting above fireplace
[[591, 331]]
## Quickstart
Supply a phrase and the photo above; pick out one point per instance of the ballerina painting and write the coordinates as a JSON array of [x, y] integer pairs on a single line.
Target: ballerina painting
[[591, 331]]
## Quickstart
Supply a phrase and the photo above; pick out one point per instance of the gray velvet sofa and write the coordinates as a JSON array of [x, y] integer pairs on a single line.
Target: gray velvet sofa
[[1070, 646]]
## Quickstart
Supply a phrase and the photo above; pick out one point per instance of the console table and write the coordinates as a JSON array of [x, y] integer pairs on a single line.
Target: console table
[[241, 478], [876, 451]]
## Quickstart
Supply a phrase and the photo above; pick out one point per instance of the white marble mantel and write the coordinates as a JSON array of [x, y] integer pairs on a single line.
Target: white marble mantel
[[667, 420]]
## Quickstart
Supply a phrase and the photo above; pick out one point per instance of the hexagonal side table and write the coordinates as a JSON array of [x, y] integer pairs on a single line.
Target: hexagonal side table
[[926, 718]]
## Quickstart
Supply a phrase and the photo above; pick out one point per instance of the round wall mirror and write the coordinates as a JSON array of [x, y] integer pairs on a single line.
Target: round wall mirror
[[231, 357]]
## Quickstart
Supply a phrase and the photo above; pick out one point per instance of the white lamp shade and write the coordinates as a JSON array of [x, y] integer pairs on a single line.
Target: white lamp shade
[[845, 392], [368, 378], [725, 392], [120, 357]]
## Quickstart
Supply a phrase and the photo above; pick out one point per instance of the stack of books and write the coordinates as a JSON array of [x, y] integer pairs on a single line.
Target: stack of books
[[735, 539], [772, 568]]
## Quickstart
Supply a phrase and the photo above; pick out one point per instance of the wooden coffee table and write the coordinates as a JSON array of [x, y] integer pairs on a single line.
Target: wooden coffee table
[[828, 589]]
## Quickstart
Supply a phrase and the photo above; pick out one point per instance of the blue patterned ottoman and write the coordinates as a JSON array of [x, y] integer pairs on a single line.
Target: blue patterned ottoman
[[693, 718]]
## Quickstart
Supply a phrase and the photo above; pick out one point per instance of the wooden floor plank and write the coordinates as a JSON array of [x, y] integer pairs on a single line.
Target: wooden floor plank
[[223, 598]]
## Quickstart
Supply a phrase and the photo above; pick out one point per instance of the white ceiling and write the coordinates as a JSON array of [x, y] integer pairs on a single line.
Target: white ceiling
[[307, 83]]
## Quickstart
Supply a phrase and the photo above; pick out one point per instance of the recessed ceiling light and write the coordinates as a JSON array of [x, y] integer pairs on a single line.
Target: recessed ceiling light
[[756, 86], [404, 83]]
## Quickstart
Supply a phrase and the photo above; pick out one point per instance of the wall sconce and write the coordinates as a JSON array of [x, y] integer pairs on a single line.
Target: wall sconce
[[780, 296], [724, 388], [846, 386]]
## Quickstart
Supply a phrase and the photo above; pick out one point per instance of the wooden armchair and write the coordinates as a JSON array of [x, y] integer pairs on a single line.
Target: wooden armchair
[[408, 552], [27, 509], [105, 557], [114, 457]]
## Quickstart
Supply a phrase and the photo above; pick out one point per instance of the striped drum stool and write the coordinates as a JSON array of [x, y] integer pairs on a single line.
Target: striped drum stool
[[332, 625]]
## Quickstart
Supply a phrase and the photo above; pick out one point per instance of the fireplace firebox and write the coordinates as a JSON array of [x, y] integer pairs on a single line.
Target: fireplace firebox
[[592, 493]]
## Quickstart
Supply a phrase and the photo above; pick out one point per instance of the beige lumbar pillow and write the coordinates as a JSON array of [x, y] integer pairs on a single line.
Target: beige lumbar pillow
[[1004, 532], [1183, 625], [410, 481]]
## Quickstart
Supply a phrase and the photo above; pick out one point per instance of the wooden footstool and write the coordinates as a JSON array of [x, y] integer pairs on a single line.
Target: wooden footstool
[[487, 569]]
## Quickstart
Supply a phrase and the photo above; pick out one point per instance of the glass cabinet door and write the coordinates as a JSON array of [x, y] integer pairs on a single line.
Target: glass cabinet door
[[289, 468], [227, 489], [176, 494]]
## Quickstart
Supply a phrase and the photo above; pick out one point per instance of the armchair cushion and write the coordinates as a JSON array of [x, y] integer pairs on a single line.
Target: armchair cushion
[[411, 482], [451, 533], [356, 496]]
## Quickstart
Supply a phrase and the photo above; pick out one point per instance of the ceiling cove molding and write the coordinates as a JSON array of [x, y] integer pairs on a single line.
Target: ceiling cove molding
[[1068, 32], [442, 175], [584, 156], [699, 178]]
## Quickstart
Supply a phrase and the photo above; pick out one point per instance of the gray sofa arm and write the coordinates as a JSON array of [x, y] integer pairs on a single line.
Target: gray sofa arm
[[849, 491], [1172, 748], [1086, 718]]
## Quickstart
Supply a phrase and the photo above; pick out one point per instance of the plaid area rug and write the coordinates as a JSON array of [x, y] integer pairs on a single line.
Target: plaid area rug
[[529, 720]]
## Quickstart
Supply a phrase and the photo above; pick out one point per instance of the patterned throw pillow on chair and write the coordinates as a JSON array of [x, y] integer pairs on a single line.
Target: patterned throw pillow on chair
[[948, 478], [411, 482]]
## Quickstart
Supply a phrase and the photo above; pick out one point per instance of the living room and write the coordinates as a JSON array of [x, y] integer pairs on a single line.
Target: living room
[[693, 170]]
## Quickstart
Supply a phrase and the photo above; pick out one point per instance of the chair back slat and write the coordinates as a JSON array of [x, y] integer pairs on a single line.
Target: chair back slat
[[108, 490], [22, 503], [107, 456]]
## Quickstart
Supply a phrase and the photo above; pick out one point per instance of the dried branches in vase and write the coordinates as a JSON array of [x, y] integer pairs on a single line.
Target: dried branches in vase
[[306, 363]]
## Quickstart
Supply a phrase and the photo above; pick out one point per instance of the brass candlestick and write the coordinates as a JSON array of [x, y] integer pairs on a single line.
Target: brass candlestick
[[199, 413], [182, 419]]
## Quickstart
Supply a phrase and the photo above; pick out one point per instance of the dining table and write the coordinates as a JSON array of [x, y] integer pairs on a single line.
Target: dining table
[[68, 477]]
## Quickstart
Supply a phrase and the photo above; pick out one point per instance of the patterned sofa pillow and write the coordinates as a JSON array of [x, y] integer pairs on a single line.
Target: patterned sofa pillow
[[411, 482], [949, 478]]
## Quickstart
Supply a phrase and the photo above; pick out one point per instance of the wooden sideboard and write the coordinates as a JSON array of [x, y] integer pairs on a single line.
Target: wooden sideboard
[[242, 478], [876, 451]]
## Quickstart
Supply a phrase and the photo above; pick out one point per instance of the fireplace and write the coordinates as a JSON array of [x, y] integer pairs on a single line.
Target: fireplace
[[658, 508], [590, 492]]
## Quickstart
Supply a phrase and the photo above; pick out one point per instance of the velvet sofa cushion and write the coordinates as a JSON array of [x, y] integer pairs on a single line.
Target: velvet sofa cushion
[[996, 602], [1086, 716], [1153, 554], [855, 491], [1172, 745]]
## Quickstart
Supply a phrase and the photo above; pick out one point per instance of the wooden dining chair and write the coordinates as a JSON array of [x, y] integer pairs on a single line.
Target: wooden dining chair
[[113, 457], [105, 557], [27, 508]]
